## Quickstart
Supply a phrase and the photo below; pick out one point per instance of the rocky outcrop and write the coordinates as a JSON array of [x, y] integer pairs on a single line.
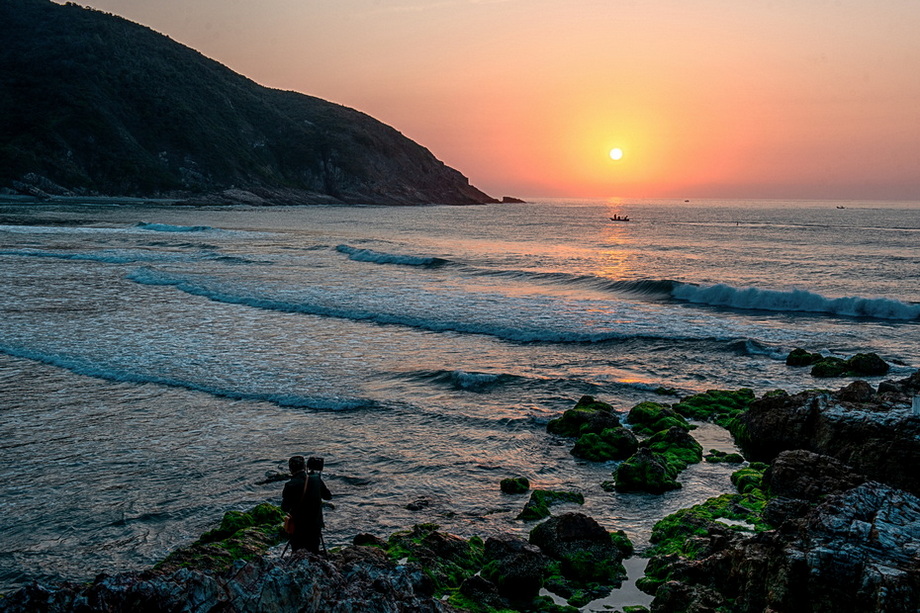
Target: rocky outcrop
[[858, 551], [355, 580], [94, 105], [860, 365], [872, 431]]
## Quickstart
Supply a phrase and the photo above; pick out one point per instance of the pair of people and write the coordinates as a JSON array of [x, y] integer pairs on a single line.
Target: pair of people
[[302, 498]]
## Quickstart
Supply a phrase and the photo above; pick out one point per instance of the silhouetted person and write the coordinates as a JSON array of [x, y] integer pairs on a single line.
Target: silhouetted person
[[303, 497]]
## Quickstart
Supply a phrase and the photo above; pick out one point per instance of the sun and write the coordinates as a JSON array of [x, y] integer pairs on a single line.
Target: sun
[[616, 153]]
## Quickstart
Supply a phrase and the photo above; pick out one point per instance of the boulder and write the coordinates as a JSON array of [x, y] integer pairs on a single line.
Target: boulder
[[540, 501], [718, 406], [588, 415], [645, 472], [514, 485], [515, 567], [647, 418], [586, 551], [867, 365], [611, 444], [676, 447], [829, 367], [800, 357]]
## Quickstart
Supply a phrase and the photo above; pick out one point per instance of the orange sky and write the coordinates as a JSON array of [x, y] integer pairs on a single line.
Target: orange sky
[[765, 98]]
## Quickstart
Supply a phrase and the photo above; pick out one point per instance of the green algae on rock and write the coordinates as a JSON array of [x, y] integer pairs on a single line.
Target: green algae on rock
[[240, 536], [447, 560], [588, 415], [611, 444], [718, 406], [715, 456], [647, 418], [540, 501], [645, 471]]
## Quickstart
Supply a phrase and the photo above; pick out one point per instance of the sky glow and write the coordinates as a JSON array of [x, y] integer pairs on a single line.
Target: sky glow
[[712, 98]]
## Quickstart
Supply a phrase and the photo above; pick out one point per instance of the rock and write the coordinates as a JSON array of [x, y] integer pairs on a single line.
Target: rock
[[611, 444], [648, 418], [587, 552], [540, 500], [716, 456], [446, 558], [512, 200], [867, 365], [800, 357], [368, 540], [854, 552], [588, 415], [419, 504], [858, 391], [829, 367], [516, 567], [645, 472], [676, 447], [808, 476], [514, 485], [718, 406], [358, 579], [240, 536], [877, 438]]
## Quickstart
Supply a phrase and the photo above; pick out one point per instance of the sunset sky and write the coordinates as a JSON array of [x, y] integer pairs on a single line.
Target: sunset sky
[[769, 98]]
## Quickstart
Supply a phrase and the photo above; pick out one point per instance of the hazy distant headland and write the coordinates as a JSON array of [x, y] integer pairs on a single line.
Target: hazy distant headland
[[94, 105]]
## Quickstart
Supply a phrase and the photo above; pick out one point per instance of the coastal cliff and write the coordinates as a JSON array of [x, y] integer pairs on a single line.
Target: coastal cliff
[[95, 105]]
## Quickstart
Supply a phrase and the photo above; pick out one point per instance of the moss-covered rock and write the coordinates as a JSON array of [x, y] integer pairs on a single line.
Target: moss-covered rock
[[240, 536], [749, 480], [867, 365], [588, 558], [647, 418], [540, 501], [715, 456], [676, 447], [829, 367], [515, 485], [645, 472], [588, 415], [718, 406], [801, 357], [611, 444], [447, 560]]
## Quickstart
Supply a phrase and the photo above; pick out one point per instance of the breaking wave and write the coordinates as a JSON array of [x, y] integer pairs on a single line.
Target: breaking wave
[[380, 257], [796, 301], [165, 227], [516, 318]]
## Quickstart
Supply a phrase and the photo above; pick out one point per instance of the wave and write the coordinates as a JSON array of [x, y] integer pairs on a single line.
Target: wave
[[796, 301], [128, 256], [165, 227], [380, 257], [517, 318], [644, 288], [479, 382], [89, 369]]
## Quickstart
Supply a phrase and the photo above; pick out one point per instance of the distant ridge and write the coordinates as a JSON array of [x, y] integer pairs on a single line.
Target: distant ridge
[[94, 105]]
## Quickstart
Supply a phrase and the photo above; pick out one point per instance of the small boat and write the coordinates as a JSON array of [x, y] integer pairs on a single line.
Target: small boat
[[841, 207], [620, 218]]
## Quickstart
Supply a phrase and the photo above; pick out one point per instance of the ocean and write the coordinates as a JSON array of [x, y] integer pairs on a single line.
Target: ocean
[[158, 364]]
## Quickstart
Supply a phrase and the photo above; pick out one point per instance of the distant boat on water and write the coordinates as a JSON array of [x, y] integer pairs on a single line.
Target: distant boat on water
[[841, 207], [620, 218]]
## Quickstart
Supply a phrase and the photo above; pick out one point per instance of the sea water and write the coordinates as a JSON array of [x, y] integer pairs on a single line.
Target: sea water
[[156, 362]]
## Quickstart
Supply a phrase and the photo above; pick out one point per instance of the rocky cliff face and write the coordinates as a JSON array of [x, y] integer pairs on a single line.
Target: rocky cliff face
[[92, 104]]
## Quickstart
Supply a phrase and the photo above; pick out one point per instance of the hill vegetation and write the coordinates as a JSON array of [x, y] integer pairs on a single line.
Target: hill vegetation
[[93, 104]]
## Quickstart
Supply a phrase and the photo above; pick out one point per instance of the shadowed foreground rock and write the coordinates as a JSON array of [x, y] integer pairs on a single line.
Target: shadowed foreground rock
[[837, 544], [356, 579]]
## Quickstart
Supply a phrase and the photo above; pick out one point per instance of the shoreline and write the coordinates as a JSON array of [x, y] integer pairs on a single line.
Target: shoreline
[[861, 401]]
